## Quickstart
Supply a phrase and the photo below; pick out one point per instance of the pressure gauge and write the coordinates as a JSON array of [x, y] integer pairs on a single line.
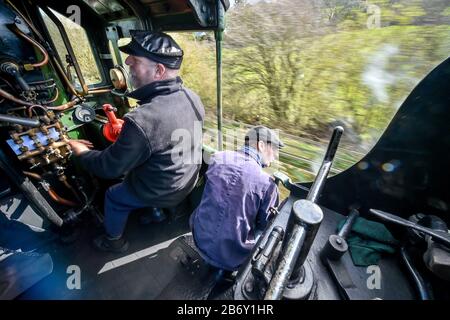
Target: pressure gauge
[[84, 113]]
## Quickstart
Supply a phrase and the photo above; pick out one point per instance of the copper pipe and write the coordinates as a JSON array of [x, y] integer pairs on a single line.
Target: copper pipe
[[68, 186], [55, 197], [36, 44], [9, 96], [65, 106], [62, 107], [63, 75], [97, 91], [54, 62], [54, 98], [61, 200], [32, 175], [32, 27], [30, 109]]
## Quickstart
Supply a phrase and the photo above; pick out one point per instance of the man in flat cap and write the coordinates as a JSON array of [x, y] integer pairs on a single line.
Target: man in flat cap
[[236, 199], [146, 150]]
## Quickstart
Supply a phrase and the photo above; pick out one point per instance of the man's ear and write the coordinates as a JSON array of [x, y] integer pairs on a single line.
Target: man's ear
[[161, 70], [261, 146]]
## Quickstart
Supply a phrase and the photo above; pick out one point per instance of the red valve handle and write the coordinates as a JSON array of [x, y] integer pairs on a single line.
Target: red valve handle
[[111, 130]]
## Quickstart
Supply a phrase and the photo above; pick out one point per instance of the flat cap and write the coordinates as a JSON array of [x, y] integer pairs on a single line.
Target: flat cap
[[261, 133], [156, 46]]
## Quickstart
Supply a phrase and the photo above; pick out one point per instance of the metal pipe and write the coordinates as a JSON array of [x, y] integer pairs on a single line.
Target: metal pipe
[[21, 121], [60, 199], [30, 154], [417, 278], [30, 109], [54, 98], [34, 43], [33, 175], [29, 104], [52, 193], [219, 38], [10, 97], [54, 62], [32, 27], [29, 190], [65, 106], [63, 75], [69, 186], [97, 91]]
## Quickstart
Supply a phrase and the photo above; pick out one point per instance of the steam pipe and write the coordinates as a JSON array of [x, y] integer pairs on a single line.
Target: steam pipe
[[60, 199], [30, 109], [30, 191], [21, 121], [54, 61], [10, 97], [54, 98], [52, 193], [62, 107], [417, 278], [34, 43]]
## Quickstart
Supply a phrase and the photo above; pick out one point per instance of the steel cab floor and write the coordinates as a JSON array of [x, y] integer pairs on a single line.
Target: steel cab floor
[[109, 275], [147, 271]]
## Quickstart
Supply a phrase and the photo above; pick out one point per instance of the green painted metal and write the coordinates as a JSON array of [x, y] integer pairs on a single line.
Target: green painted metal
[[219, 39]]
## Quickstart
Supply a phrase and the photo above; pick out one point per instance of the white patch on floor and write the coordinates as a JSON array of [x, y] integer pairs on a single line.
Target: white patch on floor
[[138, 255]]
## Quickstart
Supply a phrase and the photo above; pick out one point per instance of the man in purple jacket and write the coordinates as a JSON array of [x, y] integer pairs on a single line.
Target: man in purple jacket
[[236, 199]]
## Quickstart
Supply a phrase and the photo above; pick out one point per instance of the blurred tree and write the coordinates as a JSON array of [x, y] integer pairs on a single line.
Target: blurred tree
[[266, 36]]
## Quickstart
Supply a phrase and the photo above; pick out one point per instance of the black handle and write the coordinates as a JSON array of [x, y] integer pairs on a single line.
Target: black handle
[[439, 236]]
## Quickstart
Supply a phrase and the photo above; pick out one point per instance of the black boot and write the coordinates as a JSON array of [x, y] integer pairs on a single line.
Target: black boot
[[103, 243], [155, 215]]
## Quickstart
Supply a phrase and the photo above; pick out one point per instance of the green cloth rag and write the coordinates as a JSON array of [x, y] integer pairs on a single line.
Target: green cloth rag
[[368, 240]]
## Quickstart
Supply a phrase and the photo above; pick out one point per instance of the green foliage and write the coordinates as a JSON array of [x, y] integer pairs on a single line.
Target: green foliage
[[300, 66], [197, 69]]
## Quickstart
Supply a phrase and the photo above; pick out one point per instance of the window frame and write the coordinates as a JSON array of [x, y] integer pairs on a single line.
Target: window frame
[[60, 26]]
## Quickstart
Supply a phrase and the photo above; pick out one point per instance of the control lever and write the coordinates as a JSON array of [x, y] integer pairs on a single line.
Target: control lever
[[263, 256], [337, 245], [111, 130], [294, 278], [441, 237], [283, 178]]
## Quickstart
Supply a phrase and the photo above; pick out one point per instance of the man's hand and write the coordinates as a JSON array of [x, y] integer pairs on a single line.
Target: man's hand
[[80, 146]]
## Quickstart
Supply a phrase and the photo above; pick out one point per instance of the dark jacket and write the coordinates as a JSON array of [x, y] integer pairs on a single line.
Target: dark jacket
[[160, 166]]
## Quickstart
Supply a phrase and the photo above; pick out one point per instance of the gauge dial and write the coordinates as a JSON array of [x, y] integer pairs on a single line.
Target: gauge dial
[[84, 113]]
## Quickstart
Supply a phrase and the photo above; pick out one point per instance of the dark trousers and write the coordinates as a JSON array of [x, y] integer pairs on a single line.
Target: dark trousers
[[119, 202]]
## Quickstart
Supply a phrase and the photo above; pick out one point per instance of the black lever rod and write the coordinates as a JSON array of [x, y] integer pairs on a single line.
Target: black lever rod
[[439, 236], [319, 182], [303, 224]]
